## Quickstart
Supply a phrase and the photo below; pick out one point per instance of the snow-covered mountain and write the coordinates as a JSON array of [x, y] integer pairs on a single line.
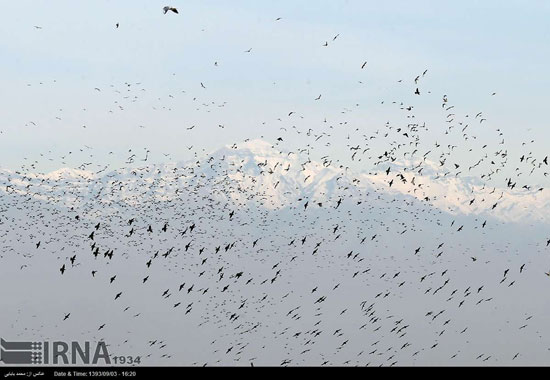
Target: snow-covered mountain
[[280, 178]]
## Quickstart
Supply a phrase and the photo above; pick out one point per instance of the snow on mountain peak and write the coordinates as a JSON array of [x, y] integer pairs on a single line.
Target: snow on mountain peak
[[281, 178]]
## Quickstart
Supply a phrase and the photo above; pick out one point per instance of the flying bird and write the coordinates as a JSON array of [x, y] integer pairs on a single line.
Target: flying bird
[[167, 9]]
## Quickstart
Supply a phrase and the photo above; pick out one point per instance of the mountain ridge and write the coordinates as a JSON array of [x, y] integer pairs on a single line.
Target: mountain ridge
[[285, 177]]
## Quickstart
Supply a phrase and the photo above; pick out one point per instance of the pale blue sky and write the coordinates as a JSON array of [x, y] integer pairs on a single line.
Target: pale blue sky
[[470, 48]]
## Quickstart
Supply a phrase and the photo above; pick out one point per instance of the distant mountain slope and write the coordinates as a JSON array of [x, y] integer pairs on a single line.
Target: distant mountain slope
[[284, 177]]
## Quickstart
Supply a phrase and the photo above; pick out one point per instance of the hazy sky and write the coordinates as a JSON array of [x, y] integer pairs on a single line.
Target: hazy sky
[[470, 48]]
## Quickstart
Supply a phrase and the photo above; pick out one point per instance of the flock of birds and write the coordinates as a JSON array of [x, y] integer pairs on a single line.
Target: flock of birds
[[261, 254]]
